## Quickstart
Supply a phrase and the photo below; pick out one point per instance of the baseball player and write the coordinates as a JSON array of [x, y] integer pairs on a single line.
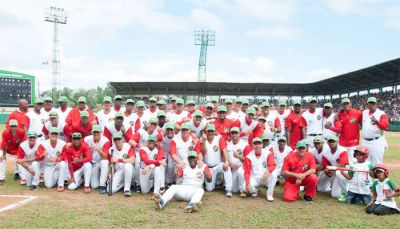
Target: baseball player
[[336, 156], [237, 105], [243, 108], [191, 188], [51, 167], [30, 152], [105, 115], [258, 166], [299, 168], [294, 125], [78, 157], [247, 123], [313, 120], [123, 158], [47, 108], [162, 119], [181, 145], [209, 113], [190, 108], [11, 138], [141, 121], [230, 113], [152, 167], [20, 115], [99, 146], [280, 151], [63, 110], [282, 114], [117, 125], [129, 116], [117, 105], [198, 123], [374, 124], [329, 121], [273, 123], [266, 143], [162, 105], [36, 119], [166, 144], [237, 150], [151, 112], [54, 122], [215, 156], [224, 124], [324, 184], [83, 126], [179, 114], [383, 191], [75, 113]]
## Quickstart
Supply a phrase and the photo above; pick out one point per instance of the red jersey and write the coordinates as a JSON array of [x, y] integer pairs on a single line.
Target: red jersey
[[294, 164], [223, 128], [10, 143], [350, 134], [149, 161], [296, 123], [75, 115], [68, 155], [77, 127], [21, 117]]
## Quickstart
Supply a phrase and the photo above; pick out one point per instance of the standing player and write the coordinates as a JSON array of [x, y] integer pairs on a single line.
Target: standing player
[[166, 144], [36, 119], [20, 115], [151, 112], [181, 145], [282, 114], [117, 125], [179, 115], [329, 122], [223, 124], [75, 113], [129, 116], [105, 115], [117, 106], [82, 126], [295, 124], [198, 123], [280, 151], [64, 110], [230, 113], [273, 123], [247, 123], [47, 108], [374, 123], [313, 120], [54, 122]]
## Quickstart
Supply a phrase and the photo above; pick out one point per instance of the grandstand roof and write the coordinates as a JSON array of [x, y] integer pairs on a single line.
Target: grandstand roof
[[380, 75]]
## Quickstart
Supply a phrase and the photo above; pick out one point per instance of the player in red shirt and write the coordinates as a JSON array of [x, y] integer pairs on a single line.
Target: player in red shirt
[[223, 124], [20, 115], [10, 141], [75, 113], [84, 127], [294, 124], [299, 168]]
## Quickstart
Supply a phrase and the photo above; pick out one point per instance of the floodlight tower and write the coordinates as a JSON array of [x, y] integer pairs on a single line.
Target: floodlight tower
[[57, 16], [204, 38]]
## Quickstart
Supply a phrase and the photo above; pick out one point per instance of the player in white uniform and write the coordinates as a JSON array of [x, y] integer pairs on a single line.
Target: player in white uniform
[[272, 122], [230, 113], [141, 121], [47, 108], [166, 144], [123, 157], [282, 114], [30, 152], [324, 184], [55, 122], [151, 112], [181, 145], [64, 110], [117, 105], [215, 156], [129, 116], [179, 114], [116, 125], [198, 123], [237, 149], [152, 167], [313, 118], [52, 172], [99, 146], [374, 123], [162, 119], [105, 115], [280, 151], [247, 123], [243, 108], [191, 188], [328, 121], [258, 166], [36, 119]]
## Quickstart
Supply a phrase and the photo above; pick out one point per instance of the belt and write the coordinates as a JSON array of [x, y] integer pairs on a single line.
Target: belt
[[313, 135], [370, 139]]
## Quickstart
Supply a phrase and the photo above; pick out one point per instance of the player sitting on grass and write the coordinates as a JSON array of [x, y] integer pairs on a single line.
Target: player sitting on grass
[[191, 188], [359, 183], [383, 192]]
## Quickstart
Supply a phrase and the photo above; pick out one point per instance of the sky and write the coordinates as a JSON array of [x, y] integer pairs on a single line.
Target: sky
[[269, 41]]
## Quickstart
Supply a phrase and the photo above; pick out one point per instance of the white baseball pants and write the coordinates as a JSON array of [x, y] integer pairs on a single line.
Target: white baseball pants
[[155, 177], [122, 177], [99, 174], [376, 149], [210, 186], [55, 174], [183, 192], [86, 171]]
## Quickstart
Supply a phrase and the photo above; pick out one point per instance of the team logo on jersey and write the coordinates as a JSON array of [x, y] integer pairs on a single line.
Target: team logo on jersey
[[131, 123], [226, 130], [239, 151], [319, 117], [352, 120], [58, 153], [110, 119], [264, 164], [191, 148], [270, 123], [199, 175], [125, 156], [215, 148], [305, 167], [155, 156]]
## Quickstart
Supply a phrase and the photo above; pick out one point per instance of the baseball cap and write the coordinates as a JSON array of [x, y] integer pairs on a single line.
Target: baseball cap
[[119, 115], [312, 99], [245, 101], [63, 99], [82, 99], [228, 100], [262, 118], [140, 103], [209, 105], [282, 138], [371, 100], [53, 114], [169, 125], [251, 110], [264, 137], [296, 102], [257, 140], [48, 98], [238, 100], [319, 139], [53, 130], [345, 100], [129, 101], [117, 97], [214, 100], [265, 104], [185, 126], [180, 101], [153, 120], [32, 134], [161, 113], [153, 99], [192, 153], [173, 99], [117, 135], [221, 108], [76, 135], [235, 129], [210, 127], [84, 114], [96, 128], [301, 143], [107, 99], [190, 102], [282, 102], [39, 101], [152, 138], [332, 138], [161, 102], [328, 105], [198, 113], [13, 122]]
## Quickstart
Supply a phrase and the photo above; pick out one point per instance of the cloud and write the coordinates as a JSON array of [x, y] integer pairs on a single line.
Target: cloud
[[275, 32], [268, 10], [206, 19]]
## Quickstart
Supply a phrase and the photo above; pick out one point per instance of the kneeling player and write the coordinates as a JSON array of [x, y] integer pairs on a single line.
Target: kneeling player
[[191, 188]]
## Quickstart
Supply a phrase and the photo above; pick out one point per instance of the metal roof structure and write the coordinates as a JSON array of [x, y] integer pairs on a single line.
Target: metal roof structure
[[376, 76]]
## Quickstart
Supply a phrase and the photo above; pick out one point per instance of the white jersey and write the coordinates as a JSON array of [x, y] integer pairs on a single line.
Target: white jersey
[[233, 115], [120, 154], [382, 190], [183, 147], [62, 115], [95, 155], [213, 155], [52, 152], [270, 122], [197, 130], [258, 165], [36, 122], [244, 127], [318, 155], [151, 154], [147, 114], [174, 117], [29, 152], [360, 182], [332, 158], [104, 118], [166, 144], [60, 127], [193, 177], [241, 115], [280, 156], [330, 119], [282, 118], [238, 147], [111, 127], [370, 130], [129, 121], [314, 121], [45, 114]]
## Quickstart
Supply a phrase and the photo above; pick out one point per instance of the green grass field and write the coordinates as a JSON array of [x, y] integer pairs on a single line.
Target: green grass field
[[74, 209]]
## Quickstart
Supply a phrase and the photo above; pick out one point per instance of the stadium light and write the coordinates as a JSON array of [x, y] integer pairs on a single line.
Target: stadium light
[[204, 38]]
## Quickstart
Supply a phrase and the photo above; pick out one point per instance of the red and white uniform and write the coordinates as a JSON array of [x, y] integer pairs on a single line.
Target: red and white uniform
[[156, 176], [272, 121], [77, 127], [45, 114], [313, 122], [295, 122], [104, 118], [197, 129], [51, 170], [129, 121], [373, 135], [279, 157], [177, 118], [62, 114], [282, 119], [62, 128], [27, 152], [223, 128], [110, 129], [247, 126], [233, 115], [9, 144], [243, 149], [338, 181], [36, 123], [181, 148], [330, 119], [169, 172], [123, 170], [324, 184], [148, 114], [75, 115]]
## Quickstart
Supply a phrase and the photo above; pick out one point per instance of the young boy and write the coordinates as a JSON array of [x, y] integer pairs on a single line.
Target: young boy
[[383, 192], [359, 183]]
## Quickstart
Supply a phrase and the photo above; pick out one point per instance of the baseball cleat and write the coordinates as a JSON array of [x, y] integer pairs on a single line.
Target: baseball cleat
[[138, 188], [16, 176], [159, 203], [127, 193], [34, 187], [192, 207], [308, 199], [228, 194], [243, 195], [254, 194], [270, 197], [86, 189], [102, 190]]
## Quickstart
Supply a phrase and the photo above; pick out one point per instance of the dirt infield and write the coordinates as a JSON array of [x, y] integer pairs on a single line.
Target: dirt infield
[[5, 201], [9, 202]]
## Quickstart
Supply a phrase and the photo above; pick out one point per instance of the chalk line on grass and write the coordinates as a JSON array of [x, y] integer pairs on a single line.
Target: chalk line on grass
[[25, 200]]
